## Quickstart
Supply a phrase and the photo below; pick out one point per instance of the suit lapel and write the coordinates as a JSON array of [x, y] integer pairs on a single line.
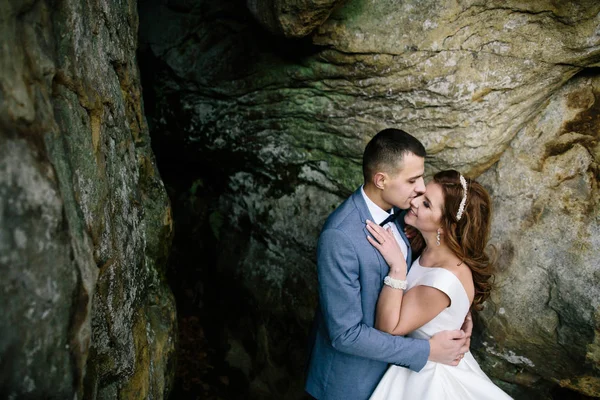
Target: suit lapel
[[400, 225], [365, 214]]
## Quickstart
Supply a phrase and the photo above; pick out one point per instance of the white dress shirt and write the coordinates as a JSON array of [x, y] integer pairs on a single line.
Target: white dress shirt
[[379, 215]]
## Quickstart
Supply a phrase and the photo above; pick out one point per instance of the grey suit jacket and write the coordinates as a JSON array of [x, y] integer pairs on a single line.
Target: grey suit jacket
[[349, 356]]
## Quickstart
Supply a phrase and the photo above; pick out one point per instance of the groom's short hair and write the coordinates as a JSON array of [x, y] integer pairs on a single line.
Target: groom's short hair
[[386, 150]]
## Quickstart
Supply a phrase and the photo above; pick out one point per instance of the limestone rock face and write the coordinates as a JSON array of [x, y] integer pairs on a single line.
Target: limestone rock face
[[287, 121], [84, 219], [547, 230], [291, 18]]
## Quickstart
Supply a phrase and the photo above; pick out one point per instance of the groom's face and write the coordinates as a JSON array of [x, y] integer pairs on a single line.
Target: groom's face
[[407, 183]]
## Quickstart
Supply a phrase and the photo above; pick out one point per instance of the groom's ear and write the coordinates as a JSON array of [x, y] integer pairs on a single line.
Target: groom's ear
[[379, 180]]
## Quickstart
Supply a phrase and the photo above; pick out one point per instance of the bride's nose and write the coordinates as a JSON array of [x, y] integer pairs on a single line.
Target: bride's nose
[[415, 202]]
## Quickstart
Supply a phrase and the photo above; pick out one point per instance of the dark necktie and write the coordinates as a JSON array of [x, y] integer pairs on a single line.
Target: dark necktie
[[391, 218]]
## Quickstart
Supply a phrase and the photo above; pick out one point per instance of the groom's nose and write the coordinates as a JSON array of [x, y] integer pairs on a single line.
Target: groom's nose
[[420, 188]]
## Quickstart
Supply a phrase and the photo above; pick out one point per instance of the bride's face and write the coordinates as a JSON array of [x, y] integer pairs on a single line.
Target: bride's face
[[425, 211]]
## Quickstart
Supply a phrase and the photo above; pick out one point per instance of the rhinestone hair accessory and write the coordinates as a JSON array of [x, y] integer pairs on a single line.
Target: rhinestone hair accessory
[[463, 202]]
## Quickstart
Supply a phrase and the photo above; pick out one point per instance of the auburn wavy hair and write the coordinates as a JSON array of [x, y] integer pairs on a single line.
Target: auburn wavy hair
[[467, 238]]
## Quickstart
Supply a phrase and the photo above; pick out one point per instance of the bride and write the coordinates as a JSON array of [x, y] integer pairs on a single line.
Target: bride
[[436, 292]]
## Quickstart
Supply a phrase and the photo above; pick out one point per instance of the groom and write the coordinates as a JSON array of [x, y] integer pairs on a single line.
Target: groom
[[349, 356]]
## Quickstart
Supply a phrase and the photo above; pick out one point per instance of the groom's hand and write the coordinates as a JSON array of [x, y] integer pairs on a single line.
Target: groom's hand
[[447, 347], [467, 328]]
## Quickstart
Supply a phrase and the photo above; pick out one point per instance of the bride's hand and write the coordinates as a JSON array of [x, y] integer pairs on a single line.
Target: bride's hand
[[385, 242]]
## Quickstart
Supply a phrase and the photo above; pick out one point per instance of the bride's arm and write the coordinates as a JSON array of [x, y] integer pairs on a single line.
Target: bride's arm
[[399, 313], [418, 306]]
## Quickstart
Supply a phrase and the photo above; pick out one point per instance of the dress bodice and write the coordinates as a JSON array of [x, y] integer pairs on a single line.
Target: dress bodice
[[439, 381], [442, 279]]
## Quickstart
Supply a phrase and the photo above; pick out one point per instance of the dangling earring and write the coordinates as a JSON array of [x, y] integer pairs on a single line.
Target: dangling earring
[[438, 238]]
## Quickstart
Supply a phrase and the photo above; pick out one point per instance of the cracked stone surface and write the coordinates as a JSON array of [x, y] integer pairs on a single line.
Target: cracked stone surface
[[291, 18], [546, 227], [484, 85], [85, 223]]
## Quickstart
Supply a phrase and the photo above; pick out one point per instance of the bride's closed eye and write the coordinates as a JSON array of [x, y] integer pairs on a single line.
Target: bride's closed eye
[[426, 204]]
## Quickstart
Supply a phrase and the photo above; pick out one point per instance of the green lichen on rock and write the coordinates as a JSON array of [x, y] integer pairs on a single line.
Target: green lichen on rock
[[92, 225]]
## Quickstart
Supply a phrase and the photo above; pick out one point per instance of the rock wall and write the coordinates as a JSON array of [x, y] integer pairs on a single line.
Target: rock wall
[[501, 90], [291, 18], [546, 227], [85, 224]]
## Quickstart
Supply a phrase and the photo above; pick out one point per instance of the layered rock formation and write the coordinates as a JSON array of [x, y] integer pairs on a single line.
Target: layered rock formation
[[291, 18], [544, 320], [504, 90], [85, 224]]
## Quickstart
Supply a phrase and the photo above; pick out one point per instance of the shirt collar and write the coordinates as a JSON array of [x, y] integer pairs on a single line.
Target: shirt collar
[[378, 213]]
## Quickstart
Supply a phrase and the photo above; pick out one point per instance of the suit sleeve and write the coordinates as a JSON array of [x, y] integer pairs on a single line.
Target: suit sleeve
[[340, 301]]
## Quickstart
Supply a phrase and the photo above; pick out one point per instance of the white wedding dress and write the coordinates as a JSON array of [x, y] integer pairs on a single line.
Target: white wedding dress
[[438, 381]]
